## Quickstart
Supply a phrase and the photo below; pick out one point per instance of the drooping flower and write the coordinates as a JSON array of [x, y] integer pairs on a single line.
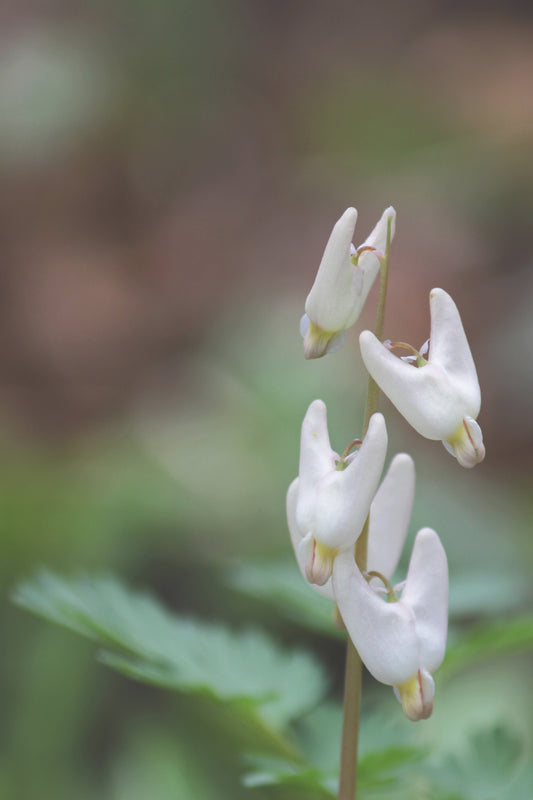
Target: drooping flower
[[401, 642], [329, 502], [344, 279], [389, 516], [440, 397]]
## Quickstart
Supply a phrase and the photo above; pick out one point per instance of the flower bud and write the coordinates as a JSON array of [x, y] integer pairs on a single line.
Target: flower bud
[[343, 281]]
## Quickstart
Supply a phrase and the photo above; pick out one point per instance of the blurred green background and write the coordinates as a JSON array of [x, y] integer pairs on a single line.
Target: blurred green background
[[170, 174]]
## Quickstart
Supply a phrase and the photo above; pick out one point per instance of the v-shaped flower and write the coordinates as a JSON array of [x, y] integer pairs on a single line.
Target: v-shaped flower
[[440, 397], [344, 279], [401, 643], [329, 502], [390, 512]]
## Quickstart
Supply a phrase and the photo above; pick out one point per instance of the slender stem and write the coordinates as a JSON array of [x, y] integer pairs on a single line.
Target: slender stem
[[354, 668], [350, 723], [373, 389]]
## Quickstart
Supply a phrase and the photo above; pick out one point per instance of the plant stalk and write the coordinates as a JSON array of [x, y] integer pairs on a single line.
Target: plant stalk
[[354, 667]]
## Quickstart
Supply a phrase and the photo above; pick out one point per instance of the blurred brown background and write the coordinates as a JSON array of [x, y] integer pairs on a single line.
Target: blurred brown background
[[163, 161], [170, 174]]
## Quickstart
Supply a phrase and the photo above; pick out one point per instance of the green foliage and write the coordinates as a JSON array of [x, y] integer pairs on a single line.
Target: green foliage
[[152, 645], [284, 772], [152, 763], [280, 585], [380, 770], [483, 592], [504, 636], [385, 754], [491, 769]]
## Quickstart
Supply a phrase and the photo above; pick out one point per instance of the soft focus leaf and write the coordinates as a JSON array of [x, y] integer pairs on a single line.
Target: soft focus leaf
[[280, 585], [385, 755], [153, 762], [161, 648], [283, 772], [487, 770], [505, 636], [485, 593]]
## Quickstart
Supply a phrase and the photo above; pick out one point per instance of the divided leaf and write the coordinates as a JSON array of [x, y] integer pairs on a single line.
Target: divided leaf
[[492, 768], [384, 757], [146, 642], [489, 640]]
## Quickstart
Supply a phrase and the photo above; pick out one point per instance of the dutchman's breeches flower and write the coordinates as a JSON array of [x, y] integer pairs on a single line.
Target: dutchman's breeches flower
[[401, 642], [440, 396], [329, 501], [389, 516], [344, 279]]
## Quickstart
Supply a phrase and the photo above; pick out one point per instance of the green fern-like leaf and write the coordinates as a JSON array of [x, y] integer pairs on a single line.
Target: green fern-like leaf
[[145, 641]]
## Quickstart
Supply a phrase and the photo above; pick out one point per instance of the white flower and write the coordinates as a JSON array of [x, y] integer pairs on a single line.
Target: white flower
[[389, 516], [344, 279], [441, 398], [401, 643], [329, 502]]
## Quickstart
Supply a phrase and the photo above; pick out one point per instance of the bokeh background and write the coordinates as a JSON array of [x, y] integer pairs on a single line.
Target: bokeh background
[[171, 171]]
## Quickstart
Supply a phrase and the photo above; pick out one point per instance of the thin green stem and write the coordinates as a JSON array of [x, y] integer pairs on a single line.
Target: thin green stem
[[350, 723], [354, 670], [373, 389]]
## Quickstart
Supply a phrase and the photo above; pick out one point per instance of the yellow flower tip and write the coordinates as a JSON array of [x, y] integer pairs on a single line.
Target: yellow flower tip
[[319, 562], [416, 696], [318, 342], [466, 444]]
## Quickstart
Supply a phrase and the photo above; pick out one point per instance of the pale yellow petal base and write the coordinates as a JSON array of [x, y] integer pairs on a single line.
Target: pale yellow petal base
[[416, 696], [317, 560], [466, 444], [318, 342]]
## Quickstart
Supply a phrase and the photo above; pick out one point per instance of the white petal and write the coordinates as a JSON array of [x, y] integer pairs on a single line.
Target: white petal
[[449, 348], [383, 633], [296, 539], [426, 593], [378, 237], [343, 498], [390, 513], [317, 459], [336, 342], [425, 396], [364, 275], [294, 530], [369, 264], [329, 302], [305, 322]]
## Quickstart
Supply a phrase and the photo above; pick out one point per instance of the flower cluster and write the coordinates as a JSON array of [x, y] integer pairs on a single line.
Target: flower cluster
[[399, 631]]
